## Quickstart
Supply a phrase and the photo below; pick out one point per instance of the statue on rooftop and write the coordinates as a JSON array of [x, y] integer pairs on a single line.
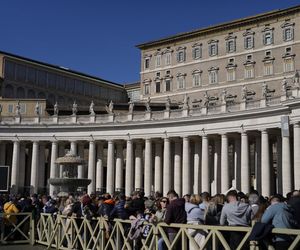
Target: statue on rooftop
[[148, 108], [186, 101], [110, 107], [168, 103], [18, 109], [130, 107], [37, 108], [284, 86], [55, 109], [74, 108], [244, 93], [92, 112]]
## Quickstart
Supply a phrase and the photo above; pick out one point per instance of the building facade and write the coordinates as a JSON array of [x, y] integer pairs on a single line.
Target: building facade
[[238, 123]]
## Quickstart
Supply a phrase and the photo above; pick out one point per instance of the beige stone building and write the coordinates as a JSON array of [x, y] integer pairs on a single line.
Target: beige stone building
[[245, 52]]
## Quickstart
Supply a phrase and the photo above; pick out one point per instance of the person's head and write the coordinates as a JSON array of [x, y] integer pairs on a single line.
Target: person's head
[[163, 202], [253, 199], [195, 199], [277, 198], [187, 197], [45, 199], [205, 196], [242, 197], [231, 196], [135, 195], [172, 195], [296, 193]]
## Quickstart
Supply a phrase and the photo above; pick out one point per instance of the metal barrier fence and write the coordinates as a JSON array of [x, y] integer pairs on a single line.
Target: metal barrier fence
[[16, 228], [63, 232]]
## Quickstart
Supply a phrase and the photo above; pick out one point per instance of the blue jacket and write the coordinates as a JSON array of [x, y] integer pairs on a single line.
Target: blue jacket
[[119, 211]]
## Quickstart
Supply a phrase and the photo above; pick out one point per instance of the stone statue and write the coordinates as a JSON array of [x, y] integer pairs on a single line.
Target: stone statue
[[186, 101], [206, 99], [74, 108], [244, 93], [168, 104], [110, 107], [130, 107], [297, 79], [148, 108], [92, 112], [18, 109], [55, 109], [284, 86], [37, 109], [223, 96], [265, 90]]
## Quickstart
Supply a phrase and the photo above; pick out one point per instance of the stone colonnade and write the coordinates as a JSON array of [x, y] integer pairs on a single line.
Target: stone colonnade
[[263, 159]]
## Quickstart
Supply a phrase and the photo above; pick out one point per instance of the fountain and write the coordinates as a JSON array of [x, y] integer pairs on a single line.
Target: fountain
[[69, 182]]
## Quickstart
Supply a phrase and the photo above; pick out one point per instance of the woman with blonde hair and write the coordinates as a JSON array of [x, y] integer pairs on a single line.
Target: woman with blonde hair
[[195, 217]]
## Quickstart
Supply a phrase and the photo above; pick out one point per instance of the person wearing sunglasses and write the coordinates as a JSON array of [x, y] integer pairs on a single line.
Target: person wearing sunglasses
[[161, 209]]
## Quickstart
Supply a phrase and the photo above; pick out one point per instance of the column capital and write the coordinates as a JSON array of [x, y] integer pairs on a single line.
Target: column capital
[[296, 125], [264, 131]]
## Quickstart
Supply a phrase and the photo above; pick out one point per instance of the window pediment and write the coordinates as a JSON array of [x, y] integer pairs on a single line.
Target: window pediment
[[213, 68], [147, 81], [287, 24], [167, 51], [249, 62], [267, 29], [268, 59], [180, 48], [230, 37], [248, 33], [147, 56], [196, 71], [157, 53], [212, 41], [288, 55], [181, 75], [231, 65], [196, 45]]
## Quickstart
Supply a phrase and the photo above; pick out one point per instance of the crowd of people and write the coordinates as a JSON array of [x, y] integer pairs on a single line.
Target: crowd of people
[[233, 209]]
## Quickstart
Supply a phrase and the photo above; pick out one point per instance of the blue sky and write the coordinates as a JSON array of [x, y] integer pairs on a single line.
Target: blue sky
[[99, 37]]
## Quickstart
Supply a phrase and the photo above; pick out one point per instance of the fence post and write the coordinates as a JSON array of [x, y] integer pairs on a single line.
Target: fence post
[[32, 230], [254, 245]]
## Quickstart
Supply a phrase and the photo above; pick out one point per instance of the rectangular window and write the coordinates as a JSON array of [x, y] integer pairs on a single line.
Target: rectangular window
[[168, 58], [147, 63], [168, 84], [249, 72], [268, 38], [9, 70], [288, 34], [213, 77], [196, 53], [196, 80], [147, 89], [230, 46], [10, 108], [158, 61], [180, 82], [180, 56], [268, 69], [230, 75], [213, 49], [249, 42], [157, 87], [288, 65]]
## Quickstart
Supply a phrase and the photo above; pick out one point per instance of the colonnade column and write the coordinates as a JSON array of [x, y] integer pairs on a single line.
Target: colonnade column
[[237, 163], [110, 167], [138, 180], [245, 167], [148, 167], [53, 168], [224, 164], [287, 182], [217, 166], [129, 168], [41, 171], [297, 155], [265, 164], [186, 168], [99, 167], [119, 166], [80, 170], [158, 173], [205, 181], [91, 168], [73, 147], [177, 169], [15, 167], [61, 153], [34, 168], [197, 169], [167, 166], [258, 163]]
